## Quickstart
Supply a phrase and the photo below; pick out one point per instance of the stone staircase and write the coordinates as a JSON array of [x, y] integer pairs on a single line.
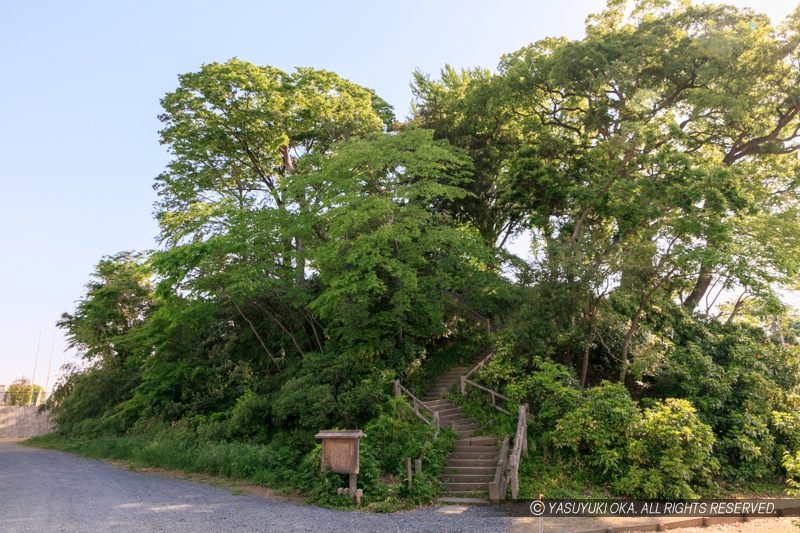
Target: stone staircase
[[471, 466]]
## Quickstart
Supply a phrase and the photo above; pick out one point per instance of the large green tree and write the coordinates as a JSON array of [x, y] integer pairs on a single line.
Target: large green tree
[[106, 330], [471, 110], [237, 130], [673, 129], [392, 266]]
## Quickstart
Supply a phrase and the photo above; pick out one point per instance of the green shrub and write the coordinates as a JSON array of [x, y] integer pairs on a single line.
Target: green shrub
[[599, 430], [743, 386], [792, 465], [664, 452], [304, 402], [249, 418], [551, 391], [670, 454]]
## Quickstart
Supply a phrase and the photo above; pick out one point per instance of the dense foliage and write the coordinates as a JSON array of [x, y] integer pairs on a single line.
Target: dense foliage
[[314, 249]]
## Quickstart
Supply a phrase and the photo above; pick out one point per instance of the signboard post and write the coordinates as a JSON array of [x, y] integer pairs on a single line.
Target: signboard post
[[340, 454]]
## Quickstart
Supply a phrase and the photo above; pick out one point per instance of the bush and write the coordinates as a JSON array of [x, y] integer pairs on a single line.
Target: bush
[[599, 430], [550, 390], [396, 435], [792, 465], [249, 418], [663, 452], [744, 387], [670, 455], [391, 437]]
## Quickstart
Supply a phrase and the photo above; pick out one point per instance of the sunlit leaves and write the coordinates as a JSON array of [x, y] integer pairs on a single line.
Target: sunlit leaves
[[235, 130]]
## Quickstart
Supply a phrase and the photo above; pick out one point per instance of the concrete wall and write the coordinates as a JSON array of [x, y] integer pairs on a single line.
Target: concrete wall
[[23, 422]]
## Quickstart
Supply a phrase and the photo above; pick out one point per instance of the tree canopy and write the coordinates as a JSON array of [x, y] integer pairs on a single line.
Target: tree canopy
[[313, 248]]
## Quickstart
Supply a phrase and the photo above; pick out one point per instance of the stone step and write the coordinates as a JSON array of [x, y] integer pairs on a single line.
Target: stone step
[[461, 421], [462, 429], [460, 425], [458, 419], [454, 417], [467, 487], [444, 408], [464, 478], [471, 494], [441, 403], [464, 423], [486, 448], [484, 440], [463, 501], [466, 456], [472, 463], [456, 371], [434, 396], [450, 412], [478, 452], [469, 454], [470, 470], [436, 402]]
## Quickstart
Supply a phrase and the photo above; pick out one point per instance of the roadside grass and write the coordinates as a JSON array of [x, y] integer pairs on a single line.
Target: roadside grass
[[280, 466], [253, 463]]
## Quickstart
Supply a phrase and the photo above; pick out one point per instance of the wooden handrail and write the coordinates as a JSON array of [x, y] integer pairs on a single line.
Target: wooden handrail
[[494, 394], [520, 448], [480, 364], [498, 486], [507, 470], [398, 389]]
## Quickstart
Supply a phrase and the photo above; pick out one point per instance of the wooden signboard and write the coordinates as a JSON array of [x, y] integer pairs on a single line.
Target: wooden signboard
[[340, 450]]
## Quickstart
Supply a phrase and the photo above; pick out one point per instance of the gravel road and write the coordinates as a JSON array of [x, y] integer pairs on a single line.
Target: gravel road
[[47, 491], [44, 491]]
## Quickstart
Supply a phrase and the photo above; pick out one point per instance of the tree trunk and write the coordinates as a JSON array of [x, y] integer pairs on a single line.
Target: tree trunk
[[289, 169], [704, 279], [736, 308], [585, 365], [626, 346]]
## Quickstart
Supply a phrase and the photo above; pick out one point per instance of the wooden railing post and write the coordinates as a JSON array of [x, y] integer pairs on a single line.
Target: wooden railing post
[[523, 419], [497, 486], [514, 466], [463, 385], [396, 388]]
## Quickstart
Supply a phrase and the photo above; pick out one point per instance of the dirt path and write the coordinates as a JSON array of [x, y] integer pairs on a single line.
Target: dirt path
[[764, 525]]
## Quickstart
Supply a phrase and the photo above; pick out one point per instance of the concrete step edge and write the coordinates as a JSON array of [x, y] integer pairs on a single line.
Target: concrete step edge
[[463, 500]]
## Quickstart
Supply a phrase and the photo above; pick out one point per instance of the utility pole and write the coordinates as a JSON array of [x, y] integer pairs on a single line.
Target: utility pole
[[50, 363], [35, 364]]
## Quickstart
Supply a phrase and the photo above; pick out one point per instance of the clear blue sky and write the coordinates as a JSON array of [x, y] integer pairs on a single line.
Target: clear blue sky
[[80, 89]]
